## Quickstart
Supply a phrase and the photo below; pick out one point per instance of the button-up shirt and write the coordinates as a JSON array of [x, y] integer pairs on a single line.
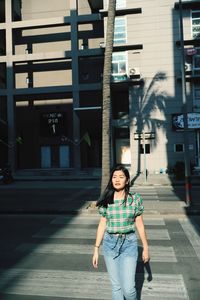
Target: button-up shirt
[[120, 217]]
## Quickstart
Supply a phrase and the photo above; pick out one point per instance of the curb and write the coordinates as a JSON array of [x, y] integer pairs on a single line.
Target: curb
[[56, 179], [165, 184]]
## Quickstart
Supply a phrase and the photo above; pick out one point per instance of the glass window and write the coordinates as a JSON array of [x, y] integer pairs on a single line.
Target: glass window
[[178, 147], [120, 4], [120, 30], [119, 63], [196, 97], [197, 62], [197, 92], [196, 25], [147, 149]]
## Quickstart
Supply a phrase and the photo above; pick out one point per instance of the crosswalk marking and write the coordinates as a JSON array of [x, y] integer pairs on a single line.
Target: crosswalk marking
[[94, 220], [79, 220], [192, 235], [85, 285], [70, 284], [85, 233], [158, 253], [147, 193], [56, 283], [154, 222], [61, 237]]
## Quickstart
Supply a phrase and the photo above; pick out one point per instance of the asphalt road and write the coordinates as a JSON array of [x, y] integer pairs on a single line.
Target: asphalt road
[[46, 198], [48, 256]]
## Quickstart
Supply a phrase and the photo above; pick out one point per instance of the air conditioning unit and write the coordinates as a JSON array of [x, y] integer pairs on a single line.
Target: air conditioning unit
[[102, 45], [134, 73], [188, 67]]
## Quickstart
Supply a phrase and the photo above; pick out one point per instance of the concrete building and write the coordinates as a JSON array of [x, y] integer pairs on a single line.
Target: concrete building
[[51, 66]]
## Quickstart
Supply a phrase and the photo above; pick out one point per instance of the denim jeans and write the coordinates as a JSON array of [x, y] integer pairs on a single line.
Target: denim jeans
[[120, 255]]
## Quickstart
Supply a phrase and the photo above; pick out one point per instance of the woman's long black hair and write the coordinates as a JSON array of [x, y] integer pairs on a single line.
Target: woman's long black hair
[[107, 196]]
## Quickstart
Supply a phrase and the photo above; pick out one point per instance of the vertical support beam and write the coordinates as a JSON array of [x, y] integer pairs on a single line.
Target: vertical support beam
[[9, 81], [144, 153], [131, 126], [188, 198], [75, 83]]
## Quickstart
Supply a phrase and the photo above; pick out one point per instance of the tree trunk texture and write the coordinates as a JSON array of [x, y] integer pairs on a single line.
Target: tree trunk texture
[[106, 105]]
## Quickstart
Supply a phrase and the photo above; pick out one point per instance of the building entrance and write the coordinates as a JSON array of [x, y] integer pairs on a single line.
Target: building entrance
[[55, 156]]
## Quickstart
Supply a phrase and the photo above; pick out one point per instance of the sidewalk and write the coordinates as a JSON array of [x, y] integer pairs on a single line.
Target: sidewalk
[[163, 179], [151, 179], [52, 197]]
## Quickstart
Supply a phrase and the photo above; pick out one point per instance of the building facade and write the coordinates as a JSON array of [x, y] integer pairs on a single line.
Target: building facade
[[51, 66]]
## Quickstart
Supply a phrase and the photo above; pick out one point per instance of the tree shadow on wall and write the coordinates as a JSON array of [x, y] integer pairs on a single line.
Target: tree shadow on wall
[[147, 101]]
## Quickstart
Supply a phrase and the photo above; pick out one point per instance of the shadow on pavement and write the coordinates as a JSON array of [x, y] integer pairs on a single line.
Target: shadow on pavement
[[140, 273], [24, 213]]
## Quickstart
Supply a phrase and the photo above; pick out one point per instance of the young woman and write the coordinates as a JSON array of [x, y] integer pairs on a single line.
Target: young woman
[[121, 212]]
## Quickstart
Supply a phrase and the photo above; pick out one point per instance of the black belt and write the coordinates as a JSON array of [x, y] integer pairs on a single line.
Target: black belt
[[121, 235]]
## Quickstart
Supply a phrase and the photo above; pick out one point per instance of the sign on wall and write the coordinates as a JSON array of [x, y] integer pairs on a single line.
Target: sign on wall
[[52, 124], [191, 51], [193, 120]]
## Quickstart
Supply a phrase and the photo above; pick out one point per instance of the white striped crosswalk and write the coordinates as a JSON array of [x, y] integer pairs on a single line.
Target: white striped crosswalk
[[85, 285], [91, 220], [158, 253], [61, 237], [85, 233], [192, 235]]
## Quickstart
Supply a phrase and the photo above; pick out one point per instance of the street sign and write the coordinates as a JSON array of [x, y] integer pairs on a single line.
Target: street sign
[[193, 120], [147, 135], [191, 51]]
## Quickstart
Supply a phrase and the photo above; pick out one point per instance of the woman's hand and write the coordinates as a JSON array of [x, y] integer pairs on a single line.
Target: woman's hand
[[95, 258], [145, 255], [100, 234], [141, 230]]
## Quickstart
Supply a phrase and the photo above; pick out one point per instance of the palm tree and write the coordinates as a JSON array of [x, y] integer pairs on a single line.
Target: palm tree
[[106, 105]]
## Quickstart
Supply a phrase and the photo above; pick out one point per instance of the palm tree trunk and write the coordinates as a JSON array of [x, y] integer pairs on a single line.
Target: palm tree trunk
[[106, 105]]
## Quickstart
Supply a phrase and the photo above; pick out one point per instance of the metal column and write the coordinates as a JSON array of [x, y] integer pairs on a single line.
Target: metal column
[[10, 81], [75, 83]]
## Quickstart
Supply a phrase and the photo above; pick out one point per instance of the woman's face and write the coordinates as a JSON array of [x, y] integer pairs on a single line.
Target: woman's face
[[119, 180]]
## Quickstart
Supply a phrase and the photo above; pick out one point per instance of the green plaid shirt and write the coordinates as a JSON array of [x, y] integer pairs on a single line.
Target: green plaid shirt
[[120, 218]]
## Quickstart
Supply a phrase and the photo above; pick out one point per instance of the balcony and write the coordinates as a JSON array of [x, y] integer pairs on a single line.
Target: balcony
[[119, 77], [188, 5], [192, 42], [124, 81], [122, 12]]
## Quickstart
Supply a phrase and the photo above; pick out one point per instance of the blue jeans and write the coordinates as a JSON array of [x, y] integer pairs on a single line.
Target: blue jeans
[[120, 254]]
